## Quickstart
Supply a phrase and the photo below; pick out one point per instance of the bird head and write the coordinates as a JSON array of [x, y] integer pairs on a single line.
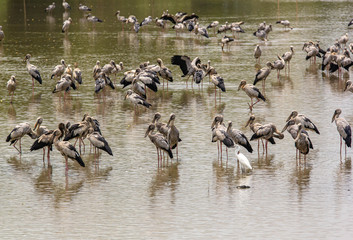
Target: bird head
[[242, 84], [336, 114]]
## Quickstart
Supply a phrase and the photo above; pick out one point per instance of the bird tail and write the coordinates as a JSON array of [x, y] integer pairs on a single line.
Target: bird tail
[[348, 66], [8, 138], [262, 97], [124, 82], [39, 79], [62, 30], [271, 140], [278, 21], [107, 149], [146, 104], [333, 67], [307, 57], [51, 77], [79, 160], [247, 146], [348, 139], [170, 153]]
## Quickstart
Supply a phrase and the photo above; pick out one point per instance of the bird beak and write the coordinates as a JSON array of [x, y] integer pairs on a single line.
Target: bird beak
[[333, 117], [213, 124], [239, 86], [125, 97], [247, 123], [285, 127], [290, 116], [168, 123], [35, 125], [147, 132]]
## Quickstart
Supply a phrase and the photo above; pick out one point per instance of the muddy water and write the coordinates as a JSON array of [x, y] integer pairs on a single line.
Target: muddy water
[[127, 196]]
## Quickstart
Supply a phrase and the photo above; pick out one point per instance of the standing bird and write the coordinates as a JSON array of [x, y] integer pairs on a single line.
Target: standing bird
[[213, 25], [136, 99], [96, 70], [302, 142], [46, 140], [93, 19], [79, 131], [278, 65], [239, 137], [188, 67], [66, 5], [11, 86], [122, 19], [77, 75], [262, 74], [344, 129], [161, 127], [293, 129], [244, 161], [159, 141], [217, 80], [173, 134], [50, 8], [254, 126], [164, 72], [301, 118], [64, 84], [84, 8], [287, 56], [285, 23], [225, 41], [252, 92], [146, 21], [98, 141], [343, 39], [38, 129], [66, 25], [257, 53], [267, 132], [66, 149], [58, 69], [219, 134], [33, 71], [18, 132]]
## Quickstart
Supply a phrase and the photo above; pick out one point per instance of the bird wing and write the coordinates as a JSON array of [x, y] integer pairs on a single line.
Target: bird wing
[[184, 62]]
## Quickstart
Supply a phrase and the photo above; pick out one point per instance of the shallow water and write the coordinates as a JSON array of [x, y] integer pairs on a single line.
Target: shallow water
[[127, 196]]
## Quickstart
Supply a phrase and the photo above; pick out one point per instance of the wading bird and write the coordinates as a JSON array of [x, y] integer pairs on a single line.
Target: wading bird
[[173, 134], [33, 71], [262, 74], [244, 161], [285, 23], [252, 92], [50, 8], [349, 86], [267, 132], [301, 118], [11, 86], [238, 137], [136, 99], [159, 141], [58, 69], [46, 140], [257, 53], [66, 5], [98, 141], [220, 135], [225, 41], [66, 25], [302, 142], [18, 132], [66, 149], [344, 129], [287, 56]]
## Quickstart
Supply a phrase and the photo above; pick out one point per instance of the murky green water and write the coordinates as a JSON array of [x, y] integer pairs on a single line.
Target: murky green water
[[127, 196]]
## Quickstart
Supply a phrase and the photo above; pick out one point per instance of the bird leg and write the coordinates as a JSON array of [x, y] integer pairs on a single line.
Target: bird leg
[[341, 149], [176, 150], [16, 147], [66, 165], [43, 154], [48, 156]]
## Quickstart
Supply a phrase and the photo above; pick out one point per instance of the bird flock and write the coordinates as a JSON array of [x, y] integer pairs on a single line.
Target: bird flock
[[146, 78]]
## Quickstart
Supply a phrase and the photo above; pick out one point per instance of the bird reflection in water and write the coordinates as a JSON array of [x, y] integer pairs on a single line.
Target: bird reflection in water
[[67, 45], [165, 177], [11, 112]]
